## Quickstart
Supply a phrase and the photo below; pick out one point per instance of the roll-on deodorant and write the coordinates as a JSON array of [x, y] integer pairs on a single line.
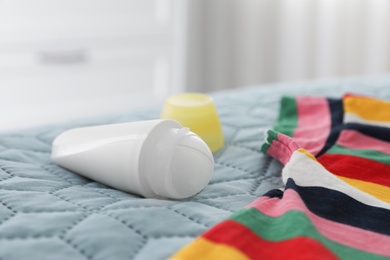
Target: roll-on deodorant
[[154, 158]]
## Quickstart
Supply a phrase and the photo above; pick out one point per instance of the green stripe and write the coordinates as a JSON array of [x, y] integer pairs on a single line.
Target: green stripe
[[294, 224], [288, 116], [368, 154], [265, 147], [271, 136]]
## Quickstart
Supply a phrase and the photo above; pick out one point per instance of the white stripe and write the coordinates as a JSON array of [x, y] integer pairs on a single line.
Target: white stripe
[[354, 118], [308, 173]]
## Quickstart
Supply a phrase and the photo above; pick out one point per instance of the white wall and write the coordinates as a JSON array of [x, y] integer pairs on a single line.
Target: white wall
[[67, 59], [239, 42], [62, 60]]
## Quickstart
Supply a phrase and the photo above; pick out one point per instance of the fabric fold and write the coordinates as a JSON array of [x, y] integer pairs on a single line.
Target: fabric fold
[[335, 203]]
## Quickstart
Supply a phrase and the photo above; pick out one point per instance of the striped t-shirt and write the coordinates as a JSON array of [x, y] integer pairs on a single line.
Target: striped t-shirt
[[335, 203]]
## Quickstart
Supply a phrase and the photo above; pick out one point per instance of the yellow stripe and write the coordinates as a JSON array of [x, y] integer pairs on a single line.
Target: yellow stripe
[[305, 152], [368, 108], [204, 249], [378, 191]]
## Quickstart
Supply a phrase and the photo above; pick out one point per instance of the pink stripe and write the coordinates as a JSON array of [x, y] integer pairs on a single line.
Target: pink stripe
[[279, 151], [282, 148], [354, 140], [314, 123], [346, 235], [288, 141]]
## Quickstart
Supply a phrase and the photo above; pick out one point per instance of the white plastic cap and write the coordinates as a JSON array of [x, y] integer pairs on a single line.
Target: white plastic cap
[[180, 164]]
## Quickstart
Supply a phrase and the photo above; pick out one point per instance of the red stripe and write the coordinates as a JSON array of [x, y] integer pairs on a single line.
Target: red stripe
[[356, 168], [351, 95], [243, 239]]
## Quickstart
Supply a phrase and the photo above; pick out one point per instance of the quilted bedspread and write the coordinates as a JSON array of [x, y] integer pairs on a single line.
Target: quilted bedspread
[[47, 212]]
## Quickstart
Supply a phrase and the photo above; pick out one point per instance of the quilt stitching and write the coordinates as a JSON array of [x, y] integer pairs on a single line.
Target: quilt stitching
[[68, 241], [247, 117]]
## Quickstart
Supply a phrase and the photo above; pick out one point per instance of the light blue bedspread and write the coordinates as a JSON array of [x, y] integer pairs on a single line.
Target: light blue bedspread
[[47, 212]]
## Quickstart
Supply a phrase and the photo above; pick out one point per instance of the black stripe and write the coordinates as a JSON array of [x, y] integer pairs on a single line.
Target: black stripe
[[339, 207], [378, 132], [275, 193], [337, 113]]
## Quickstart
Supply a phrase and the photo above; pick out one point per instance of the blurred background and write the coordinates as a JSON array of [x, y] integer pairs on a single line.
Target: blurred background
[[62, 60]]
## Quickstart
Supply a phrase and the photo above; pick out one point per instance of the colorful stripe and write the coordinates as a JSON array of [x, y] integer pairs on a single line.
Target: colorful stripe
[[288, 117], [257, 238], [336, 111], [280, 235], [362, 161], [307, 119], [368, 154], [335, 203], [293, 226], [205, 249], [313, 174], [336, 206], [366, 109], [358, 168], [378, 191], [351, 236], [377, 132], [279, 146], [314, 123], [350, 117], [355, 140], [252, 245]]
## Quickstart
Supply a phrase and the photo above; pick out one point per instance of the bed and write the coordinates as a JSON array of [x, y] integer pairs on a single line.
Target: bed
[[47, 212]]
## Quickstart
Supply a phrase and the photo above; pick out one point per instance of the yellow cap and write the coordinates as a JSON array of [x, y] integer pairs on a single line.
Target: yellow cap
[[197, 112]]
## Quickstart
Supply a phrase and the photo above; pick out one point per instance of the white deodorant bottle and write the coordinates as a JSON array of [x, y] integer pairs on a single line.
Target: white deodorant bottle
[[154, 158]]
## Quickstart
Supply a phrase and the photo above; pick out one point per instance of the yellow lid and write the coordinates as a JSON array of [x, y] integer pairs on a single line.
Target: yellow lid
[[197, 112]]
